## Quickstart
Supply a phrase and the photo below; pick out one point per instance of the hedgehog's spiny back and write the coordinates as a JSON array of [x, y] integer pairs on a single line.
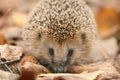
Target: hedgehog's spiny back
[[62, 18]]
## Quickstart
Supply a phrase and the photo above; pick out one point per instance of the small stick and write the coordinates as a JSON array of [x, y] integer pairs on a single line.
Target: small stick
[[7, 67], [7, 62]]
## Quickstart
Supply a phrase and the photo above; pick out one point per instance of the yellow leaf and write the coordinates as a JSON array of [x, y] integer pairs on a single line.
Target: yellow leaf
[[19, 19], [91, 76], [84, 75], [107, 19]]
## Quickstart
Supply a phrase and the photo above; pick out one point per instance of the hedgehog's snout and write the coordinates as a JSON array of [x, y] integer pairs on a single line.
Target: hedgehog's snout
[[59, 67]]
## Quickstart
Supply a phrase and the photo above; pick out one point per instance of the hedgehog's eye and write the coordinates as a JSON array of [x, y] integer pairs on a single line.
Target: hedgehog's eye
[[70, 52], [51, 51]]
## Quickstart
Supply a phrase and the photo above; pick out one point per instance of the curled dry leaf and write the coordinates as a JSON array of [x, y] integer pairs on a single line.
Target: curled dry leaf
[[109, 71], [29, 63], [25, 59], [103, 66], [30, 59], [107, 67], [37, 69], [109, 76], [9, 52]]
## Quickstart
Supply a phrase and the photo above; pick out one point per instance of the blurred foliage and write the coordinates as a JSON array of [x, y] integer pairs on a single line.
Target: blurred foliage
[[108, 21]]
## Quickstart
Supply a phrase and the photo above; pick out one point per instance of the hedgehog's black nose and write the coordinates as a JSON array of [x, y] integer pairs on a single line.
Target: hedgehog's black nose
[[60, 69]]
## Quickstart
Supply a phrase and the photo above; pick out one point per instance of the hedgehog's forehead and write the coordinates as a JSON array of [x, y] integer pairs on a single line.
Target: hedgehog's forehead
[[61, 33]]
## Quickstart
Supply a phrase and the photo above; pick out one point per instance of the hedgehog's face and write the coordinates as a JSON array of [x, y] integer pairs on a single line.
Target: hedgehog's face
[[59, 56]]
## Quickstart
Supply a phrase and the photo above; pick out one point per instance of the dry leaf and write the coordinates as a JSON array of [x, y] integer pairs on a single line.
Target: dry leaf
[[107, 68], [110, 72], [103, 66], [109, 76], [28, 66], [29, 63], [8, 76], [30, 59], [25, 59], [9, 52], [66, 76], [2, 39], [92, 75]]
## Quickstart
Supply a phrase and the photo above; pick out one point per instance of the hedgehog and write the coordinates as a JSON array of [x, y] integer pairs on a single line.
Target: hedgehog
[[60, 34]]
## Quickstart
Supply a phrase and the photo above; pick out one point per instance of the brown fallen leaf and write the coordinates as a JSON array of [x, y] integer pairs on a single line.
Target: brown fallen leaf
[[103, 66], [30, 59], [2, 39], [29, 63], [109, 71], [9, 52], [109, 76], [27, 75], [25, 59]]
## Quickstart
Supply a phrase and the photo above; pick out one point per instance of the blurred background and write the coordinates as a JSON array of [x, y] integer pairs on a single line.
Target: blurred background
[[14, 14]]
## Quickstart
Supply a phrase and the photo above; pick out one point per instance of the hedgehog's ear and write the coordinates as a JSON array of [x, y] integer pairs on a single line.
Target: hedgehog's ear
[[83, 36]]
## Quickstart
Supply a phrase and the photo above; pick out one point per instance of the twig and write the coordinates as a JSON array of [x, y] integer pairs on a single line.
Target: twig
[[7, 67], [8, 62]]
